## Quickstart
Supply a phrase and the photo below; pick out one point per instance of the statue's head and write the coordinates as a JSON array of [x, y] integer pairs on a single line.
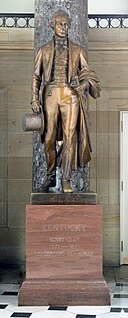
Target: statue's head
[[60, 23]]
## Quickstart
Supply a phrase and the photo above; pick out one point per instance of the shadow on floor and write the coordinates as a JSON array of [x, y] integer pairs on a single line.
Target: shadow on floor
[[116, 274]]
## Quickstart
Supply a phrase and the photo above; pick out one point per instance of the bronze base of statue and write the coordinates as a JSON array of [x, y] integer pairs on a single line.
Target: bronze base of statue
[[81, 198]]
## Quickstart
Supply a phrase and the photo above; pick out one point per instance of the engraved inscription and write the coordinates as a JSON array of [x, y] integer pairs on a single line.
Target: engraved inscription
[[58, 246], [63, 239], [65, 245], [64, 227], [63, 253], [75, 198]]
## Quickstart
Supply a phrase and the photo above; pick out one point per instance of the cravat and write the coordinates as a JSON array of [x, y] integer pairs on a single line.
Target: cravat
[[60, 44]]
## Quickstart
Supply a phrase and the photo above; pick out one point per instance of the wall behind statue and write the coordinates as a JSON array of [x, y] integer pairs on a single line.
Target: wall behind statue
[[94, 6]]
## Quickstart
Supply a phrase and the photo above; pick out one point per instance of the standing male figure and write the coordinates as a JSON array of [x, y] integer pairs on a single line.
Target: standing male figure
[[61, 66]]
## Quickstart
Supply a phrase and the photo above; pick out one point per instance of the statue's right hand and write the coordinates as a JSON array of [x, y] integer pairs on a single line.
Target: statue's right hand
[[36, 107]]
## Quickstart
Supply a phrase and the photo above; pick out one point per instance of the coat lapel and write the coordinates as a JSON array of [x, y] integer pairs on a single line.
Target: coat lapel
[[73, 60], [70, 62], [51, 59], [49, 53]]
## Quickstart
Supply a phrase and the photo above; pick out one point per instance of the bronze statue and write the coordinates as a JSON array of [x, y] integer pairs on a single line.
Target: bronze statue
[[61, 82]]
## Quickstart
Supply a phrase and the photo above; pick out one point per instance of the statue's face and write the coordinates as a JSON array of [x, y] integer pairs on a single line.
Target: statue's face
[[61, 26]]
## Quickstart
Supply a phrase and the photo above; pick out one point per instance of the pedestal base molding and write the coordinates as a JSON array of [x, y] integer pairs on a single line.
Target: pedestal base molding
[[88, 292]]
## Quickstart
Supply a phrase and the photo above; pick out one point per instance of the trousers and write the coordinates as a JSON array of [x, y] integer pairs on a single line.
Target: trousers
[[60, 102]]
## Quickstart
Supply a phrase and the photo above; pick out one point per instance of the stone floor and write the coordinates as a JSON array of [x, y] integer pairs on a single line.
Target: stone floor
[[116, 277]]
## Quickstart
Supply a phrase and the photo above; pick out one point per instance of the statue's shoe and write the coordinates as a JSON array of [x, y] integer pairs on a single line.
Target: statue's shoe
[[66, 187]]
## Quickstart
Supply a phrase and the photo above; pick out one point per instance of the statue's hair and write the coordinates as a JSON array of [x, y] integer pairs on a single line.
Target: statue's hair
[[60, 13]]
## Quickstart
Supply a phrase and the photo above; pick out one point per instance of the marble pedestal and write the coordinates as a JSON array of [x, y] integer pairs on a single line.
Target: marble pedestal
[[64, 256]]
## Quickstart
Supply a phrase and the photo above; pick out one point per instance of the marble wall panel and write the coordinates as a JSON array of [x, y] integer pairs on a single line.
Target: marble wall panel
[[20, 145], [19, 190], [19, 168], [92, 121], [20, 95], [16, 215], [2, 214]]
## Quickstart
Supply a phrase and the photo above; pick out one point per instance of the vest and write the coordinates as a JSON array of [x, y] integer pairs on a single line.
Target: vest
[[59, 75]]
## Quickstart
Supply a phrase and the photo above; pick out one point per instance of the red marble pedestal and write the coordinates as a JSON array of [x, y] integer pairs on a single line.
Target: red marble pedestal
[[64, 256]]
